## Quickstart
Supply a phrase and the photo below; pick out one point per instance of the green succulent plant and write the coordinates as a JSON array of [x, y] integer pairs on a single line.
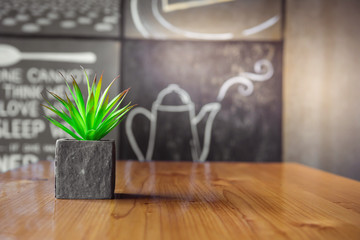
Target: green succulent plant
[[93, 120]]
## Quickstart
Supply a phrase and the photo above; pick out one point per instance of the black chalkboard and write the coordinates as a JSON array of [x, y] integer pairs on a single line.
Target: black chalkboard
[[25, 135], [236, 91], [206, 75]]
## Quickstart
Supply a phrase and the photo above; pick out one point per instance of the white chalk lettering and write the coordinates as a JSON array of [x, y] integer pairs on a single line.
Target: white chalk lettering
[[14, 147], [31, 148], [8, 162], [15, 108], [42, 75], [48, 148], [21, 128], [13, 75], [22, 91]]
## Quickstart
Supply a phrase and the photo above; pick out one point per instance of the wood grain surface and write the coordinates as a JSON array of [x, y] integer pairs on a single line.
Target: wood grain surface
[[184, 200]]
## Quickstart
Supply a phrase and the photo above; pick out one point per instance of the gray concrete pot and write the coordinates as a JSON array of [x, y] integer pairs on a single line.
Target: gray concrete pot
[[84, 169]]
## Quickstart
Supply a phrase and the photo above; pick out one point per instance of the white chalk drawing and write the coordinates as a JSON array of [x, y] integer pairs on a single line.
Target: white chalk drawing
[[262, 26], [136, 19], [263, 71], [10, 55], [171, 7], [166, 7], [187, 106], [195, 35]]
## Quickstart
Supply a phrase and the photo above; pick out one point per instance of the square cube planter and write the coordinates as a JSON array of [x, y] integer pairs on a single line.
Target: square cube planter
[[84, 169]]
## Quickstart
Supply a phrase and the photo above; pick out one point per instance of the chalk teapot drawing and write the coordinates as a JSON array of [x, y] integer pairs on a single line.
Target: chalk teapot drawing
[[186, 107], [263, 71]]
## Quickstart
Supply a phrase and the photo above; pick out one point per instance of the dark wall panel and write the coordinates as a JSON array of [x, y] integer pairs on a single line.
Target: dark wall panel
[[60, 18], [236, 91]]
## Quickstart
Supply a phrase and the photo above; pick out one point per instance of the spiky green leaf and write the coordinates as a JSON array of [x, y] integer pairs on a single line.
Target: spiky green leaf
[[56, 123], [79, 101], [87, 78], [105, 93], [98, 90], [95, 119]]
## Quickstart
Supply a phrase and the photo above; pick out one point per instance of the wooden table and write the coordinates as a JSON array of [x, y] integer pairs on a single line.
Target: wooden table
[[168, 200]]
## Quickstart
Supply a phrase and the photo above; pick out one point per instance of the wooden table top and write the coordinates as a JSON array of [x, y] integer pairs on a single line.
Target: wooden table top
[[184, 200]]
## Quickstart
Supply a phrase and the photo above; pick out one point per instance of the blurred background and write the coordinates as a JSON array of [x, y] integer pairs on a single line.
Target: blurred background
[[214, 80]]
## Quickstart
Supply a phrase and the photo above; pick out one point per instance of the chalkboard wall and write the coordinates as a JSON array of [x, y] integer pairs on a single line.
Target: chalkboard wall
[[242, 104], [25, 135], [208, 87]]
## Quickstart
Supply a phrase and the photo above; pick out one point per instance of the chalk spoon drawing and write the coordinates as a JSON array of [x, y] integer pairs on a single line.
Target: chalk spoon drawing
[[263, 71], [10, 55]]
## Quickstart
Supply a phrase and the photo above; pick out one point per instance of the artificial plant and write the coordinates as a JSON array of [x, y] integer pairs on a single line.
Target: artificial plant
[[94, 118]]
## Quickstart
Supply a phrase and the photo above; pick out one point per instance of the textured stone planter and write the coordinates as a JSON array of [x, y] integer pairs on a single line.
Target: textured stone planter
[[84, 169]]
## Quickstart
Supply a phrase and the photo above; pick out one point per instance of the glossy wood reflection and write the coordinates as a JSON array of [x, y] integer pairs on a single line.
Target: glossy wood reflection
[[160, 200]]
